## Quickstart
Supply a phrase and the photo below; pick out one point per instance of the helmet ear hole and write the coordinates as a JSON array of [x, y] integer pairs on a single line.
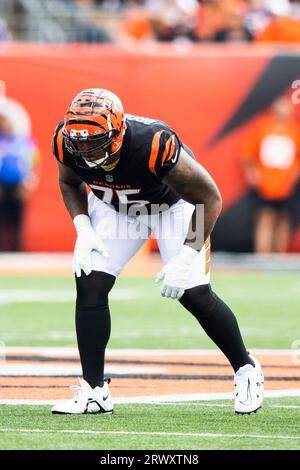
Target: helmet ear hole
[[116, 132]]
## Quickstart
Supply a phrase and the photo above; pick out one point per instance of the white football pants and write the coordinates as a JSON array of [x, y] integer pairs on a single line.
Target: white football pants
[[125, 235]]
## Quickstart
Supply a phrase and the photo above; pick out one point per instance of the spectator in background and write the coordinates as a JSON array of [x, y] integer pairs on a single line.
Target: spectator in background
[[18, 159], [257, 16], [212, 16], [271, 163], [295, 9], [136, 24], [282, 27], [5, 34], [86, 27], [173, 19], [210, 19], [234, 30]]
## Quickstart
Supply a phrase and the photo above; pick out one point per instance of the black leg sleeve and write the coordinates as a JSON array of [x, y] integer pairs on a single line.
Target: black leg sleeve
[[218, 321], [93, 323]]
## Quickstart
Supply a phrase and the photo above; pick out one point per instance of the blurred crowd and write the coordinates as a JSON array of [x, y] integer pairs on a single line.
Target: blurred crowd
[[178, 20], [213, 20], [19, 159]]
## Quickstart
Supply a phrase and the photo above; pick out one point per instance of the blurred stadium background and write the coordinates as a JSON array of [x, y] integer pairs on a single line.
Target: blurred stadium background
[[212, 70]]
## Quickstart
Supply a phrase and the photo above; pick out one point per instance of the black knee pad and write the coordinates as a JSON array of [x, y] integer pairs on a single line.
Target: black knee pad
[[93, 290], [199, 300]]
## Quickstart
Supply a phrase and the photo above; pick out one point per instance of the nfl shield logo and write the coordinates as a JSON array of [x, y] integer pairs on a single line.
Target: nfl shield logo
[[109, 178]]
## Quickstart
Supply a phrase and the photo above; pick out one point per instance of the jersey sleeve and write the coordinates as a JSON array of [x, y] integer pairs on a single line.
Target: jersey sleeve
[[165, 150], [57, 143]]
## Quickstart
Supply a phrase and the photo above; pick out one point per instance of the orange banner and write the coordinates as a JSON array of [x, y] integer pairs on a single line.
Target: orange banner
[[196, 90]]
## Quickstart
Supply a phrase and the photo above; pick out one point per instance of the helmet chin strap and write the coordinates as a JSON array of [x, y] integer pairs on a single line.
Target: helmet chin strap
[[96, 163]]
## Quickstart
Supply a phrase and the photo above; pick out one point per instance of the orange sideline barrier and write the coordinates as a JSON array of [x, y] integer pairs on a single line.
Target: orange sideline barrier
[[193, 89]]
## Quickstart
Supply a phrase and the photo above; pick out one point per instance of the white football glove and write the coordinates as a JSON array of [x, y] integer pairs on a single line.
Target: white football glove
[[175, 274], [87, 241]]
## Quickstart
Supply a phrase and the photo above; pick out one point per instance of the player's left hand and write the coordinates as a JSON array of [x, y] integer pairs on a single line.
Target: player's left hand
[[174, 275]]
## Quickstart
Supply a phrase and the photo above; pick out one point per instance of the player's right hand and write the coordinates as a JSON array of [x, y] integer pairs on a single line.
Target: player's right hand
[[87, 241]]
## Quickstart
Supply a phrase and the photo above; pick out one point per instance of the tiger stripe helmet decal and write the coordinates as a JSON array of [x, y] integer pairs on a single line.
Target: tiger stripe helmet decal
[[95, 116]]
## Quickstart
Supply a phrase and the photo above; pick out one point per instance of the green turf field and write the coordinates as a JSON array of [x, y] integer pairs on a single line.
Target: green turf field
[[186, 426], [38, 311], [266, 305]]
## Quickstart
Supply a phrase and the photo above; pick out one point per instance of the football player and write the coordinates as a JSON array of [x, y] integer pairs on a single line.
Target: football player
[[143, 179]]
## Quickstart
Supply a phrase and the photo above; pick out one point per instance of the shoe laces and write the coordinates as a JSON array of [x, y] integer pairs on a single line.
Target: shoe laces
[[84, 386], [79, 389]]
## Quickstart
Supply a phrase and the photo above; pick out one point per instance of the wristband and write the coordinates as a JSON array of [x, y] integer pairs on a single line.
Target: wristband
[[82, 222], [187, 255]]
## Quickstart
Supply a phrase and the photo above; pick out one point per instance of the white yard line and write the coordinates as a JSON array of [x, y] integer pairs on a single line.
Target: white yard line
[[168, 399], [12, 296], [219, 405], [57, 351], [190, 397], [149, 433]]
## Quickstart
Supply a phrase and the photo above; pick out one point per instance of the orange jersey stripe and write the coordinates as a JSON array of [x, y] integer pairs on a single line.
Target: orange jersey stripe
[[207, 243], [154, 151], [207, 255], [172, 148], [170, 145], [60, 146]]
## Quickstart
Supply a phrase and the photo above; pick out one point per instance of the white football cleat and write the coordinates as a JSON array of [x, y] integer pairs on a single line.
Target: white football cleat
[[249, 392], [86, 400]]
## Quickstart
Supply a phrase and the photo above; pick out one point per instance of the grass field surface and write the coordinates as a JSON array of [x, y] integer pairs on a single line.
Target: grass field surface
[[196, 425], [37, 311]]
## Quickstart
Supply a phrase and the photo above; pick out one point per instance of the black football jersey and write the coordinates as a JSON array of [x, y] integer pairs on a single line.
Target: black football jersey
[[149, 150]]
